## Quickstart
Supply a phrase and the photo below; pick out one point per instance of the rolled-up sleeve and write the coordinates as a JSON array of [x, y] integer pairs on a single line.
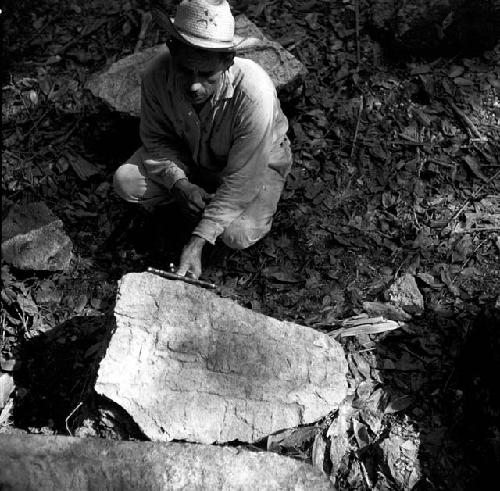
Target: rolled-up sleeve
[[164, 156], [244, 173]]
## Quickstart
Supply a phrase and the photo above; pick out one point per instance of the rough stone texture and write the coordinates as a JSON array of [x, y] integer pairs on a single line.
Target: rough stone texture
[[400, 452], [119, 85], [60, 463], [187, 364], [404, 293], [6, 388], [33, 239], [424, 26]]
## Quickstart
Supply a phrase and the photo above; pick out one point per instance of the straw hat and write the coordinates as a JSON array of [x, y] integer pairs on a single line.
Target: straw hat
[[205, 24]]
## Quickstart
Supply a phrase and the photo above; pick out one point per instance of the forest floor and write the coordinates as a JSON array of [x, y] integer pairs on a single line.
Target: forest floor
[[396, 170]]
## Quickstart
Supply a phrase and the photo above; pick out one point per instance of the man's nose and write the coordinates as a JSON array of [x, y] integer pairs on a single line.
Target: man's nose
[[195, 86]]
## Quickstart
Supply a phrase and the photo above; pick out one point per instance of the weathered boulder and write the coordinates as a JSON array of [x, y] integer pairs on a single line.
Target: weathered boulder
[[435, 26], [187, 364], [404, 293], [33, 238], [56, 462], [120, 85]]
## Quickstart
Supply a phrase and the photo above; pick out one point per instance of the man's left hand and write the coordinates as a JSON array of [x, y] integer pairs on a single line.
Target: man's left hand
[[190, 263]]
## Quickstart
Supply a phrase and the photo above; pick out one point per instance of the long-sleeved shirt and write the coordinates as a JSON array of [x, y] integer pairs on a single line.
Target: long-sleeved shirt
[[230, 144]]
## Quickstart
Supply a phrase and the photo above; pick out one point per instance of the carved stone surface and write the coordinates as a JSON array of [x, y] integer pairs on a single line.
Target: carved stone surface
[[187, 364], [33, 238], [57, 462], [120, 85]]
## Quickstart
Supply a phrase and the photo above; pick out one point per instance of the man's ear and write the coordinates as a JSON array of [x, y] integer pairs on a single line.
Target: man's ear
[[230, 61]]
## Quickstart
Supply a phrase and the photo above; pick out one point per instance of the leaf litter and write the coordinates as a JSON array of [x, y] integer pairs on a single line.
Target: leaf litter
[[396, 170]]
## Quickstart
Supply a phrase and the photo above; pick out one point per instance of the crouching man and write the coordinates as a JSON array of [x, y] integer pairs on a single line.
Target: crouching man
[[213, 134]]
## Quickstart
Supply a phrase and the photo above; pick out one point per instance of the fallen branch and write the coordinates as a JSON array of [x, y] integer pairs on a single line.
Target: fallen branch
[[360, 110], [358, 49], [465, 120], [70, 415]]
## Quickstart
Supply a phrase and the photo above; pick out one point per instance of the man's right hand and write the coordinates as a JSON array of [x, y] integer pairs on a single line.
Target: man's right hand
[[192, 196]]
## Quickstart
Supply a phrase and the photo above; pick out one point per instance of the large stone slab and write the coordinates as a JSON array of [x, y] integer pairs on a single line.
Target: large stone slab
[[119, 85], [58, 463], [33, 238], [189, 365]]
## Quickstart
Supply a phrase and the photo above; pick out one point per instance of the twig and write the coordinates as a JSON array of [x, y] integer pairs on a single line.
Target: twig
[[356, 15], [36, 124], [365, 472], [465, 120], [146, 18], [69, 416], [360, 110], [83, 35]]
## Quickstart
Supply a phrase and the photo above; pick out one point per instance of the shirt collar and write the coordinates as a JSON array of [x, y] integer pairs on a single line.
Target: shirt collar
[[226, 88]]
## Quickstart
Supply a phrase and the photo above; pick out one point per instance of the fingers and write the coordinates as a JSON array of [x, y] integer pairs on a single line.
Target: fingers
[[206, 196], [187, 265], [199, 201], [193, 208], [183, 268]]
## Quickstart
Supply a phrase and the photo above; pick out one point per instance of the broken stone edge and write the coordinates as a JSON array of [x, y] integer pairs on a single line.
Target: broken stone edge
[[58, 462]]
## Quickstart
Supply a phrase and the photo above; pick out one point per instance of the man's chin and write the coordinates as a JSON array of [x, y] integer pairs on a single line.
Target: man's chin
[[197, 101]]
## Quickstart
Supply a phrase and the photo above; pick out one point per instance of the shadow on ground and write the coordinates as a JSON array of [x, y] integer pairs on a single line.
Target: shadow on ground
[[56, 383], [442, 371]]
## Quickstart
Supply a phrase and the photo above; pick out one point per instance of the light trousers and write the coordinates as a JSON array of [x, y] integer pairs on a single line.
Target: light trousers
[[132, 183]]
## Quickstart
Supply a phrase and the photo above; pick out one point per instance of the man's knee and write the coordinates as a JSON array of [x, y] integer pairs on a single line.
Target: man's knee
[[125, 183], [240, 236]]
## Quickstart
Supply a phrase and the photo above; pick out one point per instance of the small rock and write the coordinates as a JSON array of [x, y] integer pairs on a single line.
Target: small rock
[[10, 364], [6, 388], [404, 293], [57, 462], [34, 239], [293, 439]]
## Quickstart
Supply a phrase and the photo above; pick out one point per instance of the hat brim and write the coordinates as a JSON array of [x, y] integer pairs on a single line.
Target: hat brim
[[199, 42]]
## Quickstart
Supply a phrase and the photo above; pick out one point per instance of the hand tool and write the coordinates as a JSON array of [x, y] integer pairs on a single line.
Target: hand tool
[[172, 275]]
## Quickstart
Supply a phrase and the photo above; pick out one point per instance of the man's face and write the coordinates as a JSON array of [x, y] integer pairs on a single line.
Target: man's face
[[200, 72]]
